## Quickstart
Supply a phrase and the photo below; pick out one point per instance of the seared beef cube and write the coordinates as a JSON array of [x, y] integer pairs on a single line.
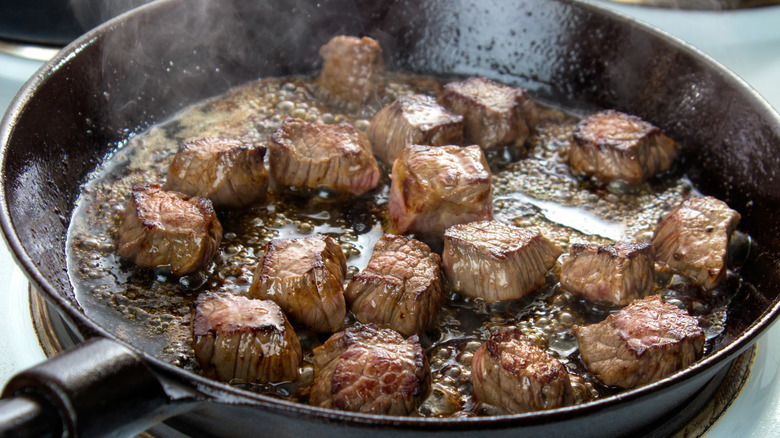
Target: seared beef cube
[[228, 171], [614, 274], [645, 341], [493, 114], [305, 277], [371, 370], [162, 228], [435, 187], [611, 145], [693, 239], [400, 288], [353, 70], [250, 340], [315, 155], [412, 120], [511, 372], [496, 261]]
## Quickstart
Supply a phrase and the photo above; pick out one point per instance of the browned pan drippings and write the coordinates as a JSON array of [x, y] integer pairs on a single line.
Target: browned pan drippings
[[537, 191]]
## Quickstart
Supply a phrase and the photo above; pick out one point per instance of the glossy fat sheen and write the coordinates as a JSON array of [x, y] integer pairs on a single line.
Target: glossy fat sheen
[[693, 239], [371, 370], [228, 171], [511, 372], [640, 344], [250, 340], [353, 70], [400, 288], [416, 119], [494, 114], [316, 155], [614, 274], [435, 187], [496, 261], [164, 228], [611, 145], [305, 277]]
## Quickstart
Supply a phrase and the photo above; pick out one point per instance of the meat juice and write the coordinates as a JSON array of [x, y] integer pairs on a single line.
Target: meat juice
[[153, 309]]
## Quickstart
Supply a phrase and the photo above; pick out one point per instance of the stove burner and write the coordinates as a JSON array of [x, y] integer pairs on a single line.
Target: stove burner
[[56, 334]]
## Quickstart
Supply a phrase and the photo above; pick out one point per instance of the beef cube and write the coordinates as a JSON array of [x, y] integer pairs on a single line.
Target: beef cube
[[249, 340], [412, 120], [493, 114], [511, 372], [400, 288], [693, 239], [644, 342], [371, 370], [305, 277], [611, 145], [435, 187], [495, 261], [613, 274], [162, 228], [315, 155], [228, 171], [353, 70]]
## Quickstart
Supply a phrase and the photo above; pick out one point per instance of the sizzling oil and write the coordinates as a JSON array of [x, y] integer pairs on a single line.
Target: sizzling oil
[[152, 308]]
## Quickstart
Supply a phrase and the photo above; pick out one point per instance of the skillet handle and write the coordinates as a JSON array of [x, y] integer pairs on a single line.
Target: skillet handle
[[99, 388]]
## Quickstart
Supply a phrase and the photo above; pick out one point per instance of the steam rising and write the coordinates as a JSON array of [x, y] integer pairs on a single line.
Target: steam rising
[[91, 13], [172, 54]]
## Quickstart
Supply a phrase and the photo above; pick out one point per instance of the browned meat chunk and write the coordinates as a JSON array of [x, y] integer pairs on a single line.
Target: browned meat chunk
[[400, 288], [250, 340], [435, 187], [496, 261], [371, 370], [611, 145], [412, 120], [693, 239], [640, 344], [353, 70], [315, 155], [493, 114], [511, 372], [614, 274], [305, 277], [228, 171], [162, 228]]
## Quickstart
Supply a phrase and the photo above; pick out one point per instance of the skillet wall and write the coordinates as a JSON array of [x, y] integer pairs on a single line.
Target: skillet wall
[[143, 68]]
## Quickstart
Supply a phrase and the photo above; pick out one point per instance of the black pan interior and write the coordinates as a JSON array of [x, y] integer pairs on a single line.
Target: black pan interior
[[147, 65]]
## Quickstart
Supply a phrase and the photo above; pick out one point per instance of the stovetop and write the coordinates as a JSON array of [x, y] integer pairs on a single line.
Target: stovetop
[[746, 41]]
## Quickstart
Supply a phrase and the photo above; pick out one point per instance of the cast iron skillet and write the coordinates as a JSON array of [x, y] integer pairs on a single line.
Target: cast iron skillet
[[146, 65]]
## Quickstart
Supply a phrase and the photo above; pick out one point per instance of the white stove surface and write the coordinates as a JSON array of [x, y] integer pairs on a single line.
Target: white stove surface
[[745, 41], [19, 348]]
